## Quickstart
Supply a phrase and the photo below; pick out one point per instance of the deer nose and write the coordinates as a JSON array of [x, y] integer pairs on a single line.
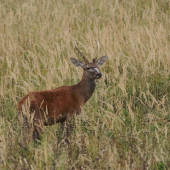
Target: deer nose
[[99, 74]]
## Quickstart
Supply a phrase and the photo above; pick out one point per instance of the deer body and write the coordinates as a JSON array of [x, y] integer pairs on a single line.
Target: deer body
[[58, 105]]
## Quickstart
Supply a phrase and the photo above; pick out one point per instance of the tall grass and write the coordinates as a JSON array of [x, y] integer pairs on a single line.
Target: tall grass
[[126, 124]]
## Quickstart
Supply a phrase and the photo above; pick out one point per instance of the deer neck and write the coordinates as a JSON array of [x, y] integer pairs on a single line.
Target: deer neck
[[85, 88]]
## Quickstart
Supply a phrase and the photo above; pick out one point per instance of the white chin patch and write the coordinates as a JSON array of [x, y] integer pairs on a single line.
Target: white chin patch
[[97, 77]]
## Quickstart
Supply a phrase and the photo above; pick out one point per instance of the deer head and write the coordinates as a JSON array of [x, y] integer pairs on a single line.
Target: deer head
[[90, 69]]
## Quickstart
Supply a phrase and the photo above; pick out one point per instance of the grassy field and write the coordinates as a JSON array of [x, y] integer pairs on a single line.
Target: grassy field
[[126, 123]]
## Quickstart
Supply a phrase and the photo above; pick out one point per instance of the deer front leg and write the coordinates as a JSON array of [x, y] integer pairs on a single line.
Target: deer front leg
[[27, 127], [36, 133], [60, 134], [66, 129]]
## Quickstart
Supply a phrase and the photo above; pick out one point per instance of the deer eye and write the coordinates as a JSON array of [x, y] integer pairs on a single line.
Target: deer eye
[[88, 68]]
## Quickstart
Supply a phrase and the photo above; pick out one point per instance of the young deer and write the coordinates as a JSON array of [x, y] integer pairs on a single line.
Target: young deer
[[58, 105]]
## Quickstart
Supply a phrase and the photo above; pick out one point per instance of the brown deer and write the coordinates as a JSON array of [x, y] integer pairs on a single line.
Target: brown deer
[[58, 105]]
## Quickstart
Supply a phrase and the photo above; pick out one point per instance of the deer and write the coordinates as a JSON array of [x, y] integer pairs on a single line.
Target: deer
[[45, 108]]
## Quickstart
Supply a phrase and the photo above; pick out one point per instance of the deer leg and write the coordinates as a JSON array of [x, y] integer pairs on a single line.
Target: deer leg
[[62, 127], [68, 130], [68, 138], [37, 130], [25, 128], [36, 134], [61, 132]]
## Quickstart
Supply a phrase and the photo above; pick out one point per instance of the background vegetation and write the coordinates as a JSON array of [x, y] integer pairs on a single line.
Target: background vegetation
[[126, 124]]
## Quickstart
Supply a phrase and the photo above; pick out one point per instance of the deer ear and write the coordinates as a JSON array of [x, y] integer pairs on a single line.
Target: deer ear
[[101, 60], [76, 62]]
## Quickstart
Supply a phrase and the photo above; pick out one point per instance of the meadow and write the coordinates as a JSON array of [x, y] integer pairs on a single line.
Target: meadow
[[126, 123]]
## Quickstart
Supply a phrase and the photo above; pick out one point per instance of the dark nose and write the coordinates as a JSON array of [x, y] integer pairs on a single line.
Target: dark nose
[[99, 74]]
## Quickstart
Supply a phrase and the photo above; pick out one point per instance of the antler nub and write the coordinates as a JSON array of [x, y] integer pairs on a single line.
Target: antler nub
[[94, 60]]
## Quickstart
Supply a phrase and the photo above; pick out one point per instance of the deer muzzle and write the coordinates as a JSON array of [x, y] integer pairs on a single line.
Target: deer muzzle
[[98, 75]]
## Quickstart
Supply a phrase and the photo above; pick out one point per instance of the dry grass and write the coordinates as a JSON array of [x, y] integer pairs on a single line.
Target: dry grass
[[126, 124]]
